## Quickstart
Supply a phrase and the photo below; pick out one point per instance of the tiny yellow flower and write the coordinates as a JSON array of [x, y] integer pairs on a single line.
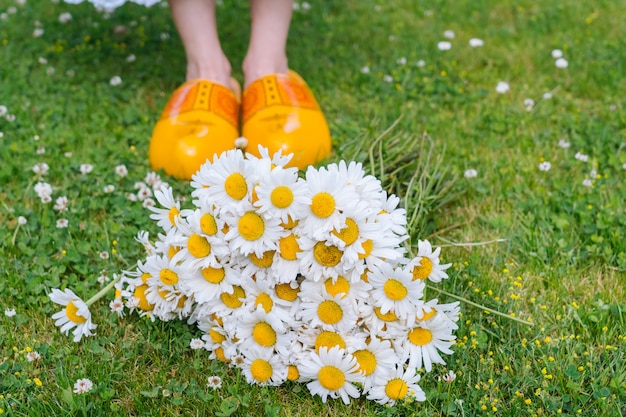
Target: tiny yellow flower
[[37, 382], [528, 401]]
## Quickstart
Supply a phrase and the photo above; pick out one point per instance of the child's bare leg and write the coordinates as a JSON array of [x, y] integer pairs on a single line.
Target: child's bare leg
[[268, 39], [196, 24]]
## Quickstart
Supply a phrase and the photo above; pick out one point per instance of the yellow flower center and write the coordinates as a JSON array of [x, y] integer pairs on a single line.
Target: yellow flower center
[[289, 247], [423, 270], [171, 215], [234, 300], [368, 246], [348, 234], [428, 315], [285, 292], [340, 286], [264, 334], [181, 302], [172, 250], [168, 277], [71, 311], [140, 294], [292, 373], [329, 340], [261, 370], [216, 336], [329, 312], [219, 353], [281, 197], [331, 378], [265, 261], [327, 255], [144, 277], [254, 196], [396, 389], [290, 224], [208, 224], [236, 186], [322, 205], [213, 275], [265, 301], [164, 294], [364, 276], [395, 290], [198, 246], [420, 337], [366, 360], [389, 316], [251, 226]]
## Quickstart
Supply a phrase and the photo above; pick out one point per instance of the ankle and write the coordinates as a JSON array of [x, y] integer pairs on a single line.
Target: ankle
[[257, 67], [214, 70]]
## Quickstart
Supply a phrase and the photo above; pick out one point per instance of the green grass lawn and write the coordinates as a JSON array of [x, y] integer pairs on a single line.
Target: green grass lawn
[[546, 245]]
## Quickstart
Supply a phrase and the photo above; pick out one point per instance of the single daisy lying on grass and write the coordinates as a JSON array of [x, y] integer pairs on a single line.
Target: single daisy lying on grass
[[291, 279]]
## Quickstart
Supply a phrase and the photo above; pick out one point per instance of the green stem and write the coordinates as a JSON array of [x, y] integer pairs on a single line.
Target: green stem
[[492, 311], [103, 291]]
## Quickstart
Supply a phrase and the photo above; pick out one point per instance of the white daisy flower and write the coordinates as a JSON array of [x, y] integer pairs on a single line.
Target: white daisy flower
[[375, 359], [399, 385], [197, 249], [391, 217], [82, 386], [262, 367], [226, 180], [332, 374], [338, 287], [75, 316], [327, 312], [264, 330], [206, 284], [327, 199], [285, 265], [259, 295], [354, 177], [320, 259], [422, 342], [395, 290], [143, 237], [166, 216], [281, 194], [426, 264], [276, 160], [251, 232]]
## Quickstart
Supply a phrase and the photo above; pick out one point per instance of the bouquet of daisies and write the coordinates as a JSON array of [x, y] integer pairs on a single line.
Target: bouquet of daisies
[[296, 278]]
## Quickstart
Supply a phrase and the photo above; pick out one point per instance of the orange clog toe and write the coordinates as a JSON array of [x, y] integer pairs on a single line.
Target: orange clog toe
[[279, 112], [199, 121]]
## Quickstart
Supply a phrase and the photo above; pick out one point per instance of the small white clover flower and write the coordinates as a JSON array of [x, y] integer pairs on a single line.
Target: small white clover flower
[[420, 63], [547, 95], [62, 223], [448, 34], [476, 43], [581, 157], [65, 18], [131, 58], [624, 165], [241, 142], [214, 382], [529, 103], [305, 6], [449, 377], [545, 166], [3, 110], [470, 173], [502, 87], [33, 356], [41, 168], [387, 78], [61, 204], [10, 312], [40, 150], [42, 60], [444, 46], [104, 255], [561, 63], [564, 144], [82, 386], [109, 188], [117, 306], [557, 53], [401, 61], [121, 170], [164, 36], [587, 182], [86, 168], [365, 70], [196, 344], [21, 220], [115, 80], [37, 33]]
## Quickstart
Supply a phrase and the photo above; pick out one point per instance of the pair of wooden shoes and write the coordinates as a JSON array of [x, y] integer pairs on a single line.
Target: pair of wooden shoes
[[201, 120]]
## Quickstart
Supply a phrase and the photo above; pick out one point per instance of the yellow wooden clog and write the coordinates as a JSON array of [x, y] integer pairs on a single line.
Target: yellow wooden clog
[[199, 121], [280, 112]]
